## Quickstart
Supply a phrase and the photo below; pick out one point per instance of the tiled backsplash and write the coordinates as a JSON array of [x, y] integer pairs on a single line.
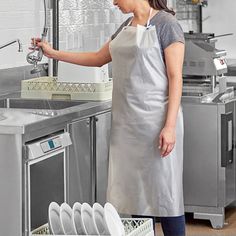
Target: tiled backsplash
[[188, 15], [19, 19], [85, 25]]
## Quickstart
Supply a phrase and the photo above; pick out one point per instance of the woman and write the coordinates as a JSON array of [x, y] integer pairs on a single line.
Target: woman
[[146, 151]]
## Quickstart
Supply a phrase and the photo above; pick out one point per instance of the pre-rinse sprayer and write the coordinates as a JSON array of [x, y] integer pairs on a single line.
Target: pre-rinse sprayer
[[36, 56]]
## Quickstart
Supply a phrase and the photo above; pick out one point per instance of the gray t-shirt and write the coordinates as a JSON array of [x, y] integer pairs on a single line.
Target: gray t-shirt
[[167, 27]]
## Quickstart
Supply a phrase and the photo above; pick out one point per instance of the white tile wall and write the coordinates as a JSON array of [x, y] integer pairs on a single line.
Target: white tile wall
[[19, 19], [187, 14], [85, 25], [219, 18]]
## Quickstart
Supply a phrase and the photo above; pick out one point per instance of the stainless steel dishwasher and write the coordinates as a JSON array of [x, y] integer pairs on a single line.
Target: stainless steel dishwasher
[[45, 177]]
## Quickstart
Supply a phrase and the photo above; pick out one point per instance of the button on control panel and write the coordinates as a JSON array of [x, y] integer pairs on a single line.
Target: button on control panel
[[50, 144], [220, 63]]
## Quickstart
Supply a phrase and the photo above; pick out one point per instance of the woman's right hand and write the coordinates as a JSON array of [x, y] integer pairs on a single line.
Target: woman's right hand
[[48, 51]]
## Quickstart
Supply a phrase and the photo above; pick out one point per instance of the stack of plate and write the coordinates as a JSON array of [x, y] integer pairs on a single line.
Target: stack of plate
[[82, 219]]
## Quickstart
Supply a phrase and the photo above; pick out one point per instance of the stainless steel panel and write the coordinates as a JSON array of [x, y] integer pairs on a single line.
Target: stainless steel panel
[[200, 155], [201, 57], [230, 172], [10, 185], [103, 127], [209, 171], [79, 165]]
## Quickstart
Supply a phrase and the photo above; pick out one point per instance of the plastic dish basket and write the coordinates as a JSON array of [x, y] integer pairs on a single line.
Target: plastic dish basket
[[51, 88], [133, 227]]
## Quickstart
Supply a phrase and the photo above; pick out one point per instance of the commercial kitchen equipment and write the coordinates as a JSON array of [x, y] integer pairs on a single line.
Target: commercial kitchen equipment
[[52, 88], [11, 42], [34, 139], [32, 172], [35, 56], [88, 162], [45, 176], [209, 123], [132, 227], [203, 64]]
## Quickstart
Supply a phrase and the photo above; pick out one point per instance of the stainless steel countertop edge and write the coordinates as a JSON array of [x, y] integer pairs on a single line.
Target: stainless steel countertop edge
[[63, 116]]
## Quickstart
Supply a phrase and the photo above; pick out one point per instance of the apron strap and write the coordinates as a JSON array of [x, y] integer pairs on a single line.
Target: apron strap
[[148, 22], [149, 18]]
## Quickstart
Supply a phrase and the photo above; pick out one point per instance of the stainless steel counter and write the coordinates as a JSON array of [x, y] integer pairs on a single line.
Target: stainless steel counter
[[22, 121]]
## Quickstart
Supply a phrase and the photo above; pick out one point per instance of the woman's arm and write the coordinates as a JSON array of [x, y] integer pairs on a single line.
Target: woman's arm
[[98, 58], [174, 56]]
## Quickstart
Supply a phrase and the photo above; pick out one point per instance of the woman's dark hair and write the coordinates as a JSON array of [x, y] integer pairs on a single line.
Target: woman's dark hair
[[160, 5]]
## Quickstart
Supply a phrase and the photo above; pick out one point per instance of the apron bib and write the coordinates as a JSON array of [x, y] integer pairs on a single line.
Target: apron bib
[[140, 182]]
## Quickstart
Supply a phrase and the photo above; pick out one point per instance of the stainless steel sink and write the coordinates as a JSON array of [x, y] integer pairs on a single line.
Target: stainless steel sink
[[20, 103]]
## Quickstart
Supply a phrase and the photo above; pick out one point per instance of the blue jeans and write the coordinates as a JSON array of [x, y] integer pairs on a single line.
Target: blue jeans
[[171, 226]]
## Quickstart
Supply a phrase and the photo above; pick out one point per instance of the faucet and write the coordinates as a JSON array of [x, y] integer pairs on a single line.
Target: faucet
[[11, 42], [34, 57]]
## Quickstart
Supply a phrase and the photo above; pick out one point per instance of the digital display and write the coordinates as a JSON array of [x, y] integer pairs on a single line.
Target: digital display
[[51, 144]]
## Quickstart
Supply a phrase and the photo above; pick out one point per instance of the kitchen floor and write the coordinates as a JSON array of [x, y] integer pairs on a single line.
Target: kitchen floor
[[203, 227]]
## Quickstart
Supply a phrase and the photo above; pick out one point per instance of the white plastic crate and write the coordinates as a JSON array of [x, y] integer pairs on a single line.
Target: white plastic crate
[[132, 226], [51, 88]]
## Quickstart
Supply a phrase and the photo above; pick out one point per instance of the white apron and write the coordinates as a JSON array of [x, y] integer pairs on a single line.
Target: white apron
[[140, 181]]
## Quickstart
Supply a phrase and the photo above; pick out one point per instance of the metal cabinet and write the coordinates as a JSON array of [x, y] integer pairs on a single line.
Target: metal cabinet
[[88, 159], [79, 163], [103, 127], [209, 160]]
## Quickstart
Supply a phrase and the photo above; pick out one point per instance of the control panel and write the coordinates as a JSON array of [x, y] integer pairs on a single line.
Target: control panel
[[51, 144], [48, 145], [220, 63]]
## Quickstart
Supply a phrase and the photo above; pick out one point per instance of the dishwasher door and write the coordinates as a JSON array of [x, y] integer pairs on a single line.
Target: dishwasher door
[[45, 178]]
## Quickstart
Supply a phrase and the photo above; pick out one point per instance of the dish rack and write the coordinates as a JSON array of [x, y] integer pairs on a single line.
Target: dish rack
[[132, 226], [51, 88]]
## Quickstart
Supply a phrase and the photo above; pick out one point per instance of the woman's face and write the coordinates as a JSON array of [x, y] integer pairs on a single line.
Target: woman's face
[[126, 6]]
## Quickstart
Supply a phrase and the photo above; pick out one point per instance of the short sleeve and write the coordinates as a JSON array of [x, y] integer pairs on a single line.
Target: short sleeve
[[120, 28], [171, 32]]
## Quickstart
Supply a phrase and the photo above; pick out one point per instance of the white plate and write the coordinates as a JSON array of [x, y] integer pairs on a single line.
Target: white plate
[[87, 220], [77, 220], [99, 219], [113, 221], [66, 219], [54, 219]]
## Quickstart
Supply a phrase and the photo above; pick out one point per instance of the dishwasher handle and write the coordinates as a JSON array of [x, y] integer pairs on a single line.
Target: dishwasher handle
[[227, 134]]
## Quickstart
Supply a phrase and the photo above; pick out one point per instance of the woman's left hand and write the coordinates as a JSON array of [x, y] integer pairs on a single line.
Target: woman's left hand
[[167, 141]]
